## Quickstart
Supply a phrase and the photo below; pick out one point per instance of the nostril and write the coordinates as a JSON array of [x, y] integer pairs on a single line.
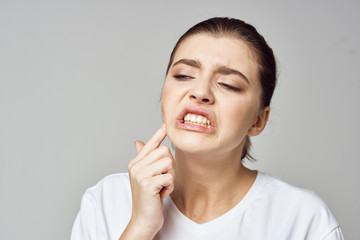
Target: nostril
[[203, 99]]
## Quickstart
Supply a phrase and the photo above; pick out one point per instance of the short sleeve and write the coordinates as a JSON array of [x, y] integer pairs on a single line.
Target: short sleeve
[[105, 209], [335, 234], [84, 227]]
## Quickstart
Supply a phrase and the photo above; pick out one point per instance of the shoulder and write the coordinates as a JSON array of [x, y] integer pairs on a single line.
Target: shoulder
[[282, 191], [112, 186], [301, 207], [105, 209], [110, 198]]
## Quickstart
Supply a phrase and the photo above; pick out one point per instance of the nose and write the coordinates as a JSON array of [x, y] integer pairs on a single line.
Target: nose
[[202, 92]]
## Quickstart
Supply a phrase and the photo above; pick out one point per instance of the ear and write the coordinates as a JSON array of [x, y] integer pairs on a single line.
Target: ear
[[260, 122]]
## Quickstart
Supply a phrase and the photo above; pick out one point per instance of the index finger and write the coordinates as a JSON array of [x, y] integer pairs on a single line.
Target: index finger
[[154, 142]]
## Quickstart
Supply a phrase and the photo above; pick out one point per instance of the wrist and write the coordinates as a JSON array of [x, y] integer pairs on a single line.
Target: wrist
[[139, 230]]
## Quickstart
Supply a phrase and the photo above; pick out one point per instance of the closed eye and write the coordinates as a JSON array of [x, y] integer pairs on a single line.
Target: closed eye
[[182, 77], [230, 87]]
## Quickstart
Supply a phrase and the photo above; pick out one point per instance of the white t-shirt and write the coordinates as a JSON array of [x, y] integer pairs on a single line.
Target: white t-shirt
[[271, 210]]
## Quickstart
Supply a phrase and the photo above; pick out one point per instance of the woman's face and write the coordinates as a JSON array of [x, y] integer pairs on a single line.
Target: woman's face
[[211, 96]]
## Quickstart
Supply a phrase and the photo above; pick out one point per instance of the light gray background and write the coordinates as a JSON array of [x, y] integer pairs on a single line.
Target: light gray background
[[80, 81]]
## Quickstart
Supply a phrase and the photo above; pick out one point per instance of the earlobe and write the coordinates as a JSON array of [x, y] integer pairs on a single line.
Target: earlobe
[[260, 122]]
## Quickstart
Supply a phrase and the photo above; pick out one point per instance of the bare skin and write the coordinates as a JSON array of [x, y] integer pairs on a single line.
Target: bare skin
[[152, 179], [210, 177], [200, 188]]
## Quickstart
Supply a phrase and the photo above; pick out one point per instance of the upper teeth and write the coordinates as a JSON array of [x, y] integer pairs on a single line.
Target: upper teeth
[[197, 120]]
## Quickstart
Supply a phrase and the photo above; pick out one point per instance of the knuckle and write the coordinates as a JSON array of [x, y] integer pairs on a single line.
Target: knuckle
[[171, 178], [164, 149], [132, 163], [134, 171], [168, 161], [171, 162], [129, 166], [145, 184]]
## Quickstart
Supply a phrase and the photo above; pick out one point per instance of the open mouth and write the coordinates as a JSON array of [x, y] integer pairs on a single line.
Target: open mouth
[[195, 119]]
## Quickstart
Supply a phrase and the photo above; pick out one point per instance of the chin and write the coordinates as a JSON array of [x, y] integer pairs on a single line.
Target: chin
[[193, 150], [191, 142]]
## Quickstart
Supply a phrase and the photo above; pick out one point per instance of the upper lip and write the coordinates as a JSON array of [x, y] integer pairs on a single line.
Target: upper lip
[[198, 111]]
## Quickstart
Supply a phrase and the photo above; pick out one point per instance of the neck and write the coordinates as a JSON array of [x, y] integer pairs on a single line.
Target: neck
[[209, 186]]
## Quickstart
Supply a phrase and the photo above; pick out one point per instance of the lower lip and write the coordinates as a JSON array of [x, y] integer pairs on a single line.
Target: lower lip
[[193, 127]]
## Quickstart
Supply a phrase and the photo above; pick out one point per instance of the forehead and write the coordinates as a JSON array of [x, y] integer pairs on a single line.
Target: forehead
[[212, 51]]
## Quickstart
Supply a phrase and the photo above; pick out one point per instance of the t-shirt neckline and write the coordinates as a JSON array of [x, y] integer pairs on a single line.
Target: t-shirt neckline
[[224, 219]]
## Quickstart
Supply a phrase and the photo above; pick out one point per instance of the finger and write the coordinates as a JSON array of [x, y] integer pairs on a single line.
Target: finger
[[167, 190], [164, 184], [154, 142], [139, 145], [161, 166], [154, 156]]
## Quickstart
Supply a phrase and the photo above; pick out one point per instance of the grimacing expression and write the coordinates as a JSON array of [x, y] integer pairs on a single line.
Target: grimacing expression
[[211, 95]]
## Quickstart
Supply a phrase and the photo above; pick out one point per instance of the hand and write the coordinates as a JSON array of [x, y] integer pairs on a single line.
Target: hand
[[152, 178]]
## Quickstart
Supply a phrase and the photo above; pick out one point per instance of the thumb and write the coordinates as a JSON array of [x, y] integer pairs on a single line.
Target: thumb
[[139, 145]]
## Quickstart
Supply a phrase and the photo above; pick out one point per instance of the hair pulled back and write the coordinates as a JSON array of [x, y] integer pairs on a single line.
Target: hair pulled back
[[264, 56]]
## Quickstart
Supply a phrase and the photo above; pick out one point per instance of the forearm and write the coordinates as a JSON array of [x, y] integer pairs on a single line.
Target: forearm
[[137, 232]]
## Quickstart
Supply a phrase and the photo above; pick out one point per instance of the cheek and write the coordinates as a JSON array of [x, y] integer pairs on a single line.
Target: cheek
[[242, 116], [162, 114], [165, 101], [163, 107]]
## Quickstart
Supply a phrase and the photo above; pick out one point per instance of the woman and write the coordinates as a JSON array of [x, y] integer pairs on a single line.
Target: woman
[[217, 93]]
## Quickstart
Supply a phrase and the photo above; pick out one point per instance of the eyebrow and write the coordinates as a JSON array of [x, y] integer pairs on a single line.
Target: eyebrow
[[190, 62], [219, 69], [227, 71]]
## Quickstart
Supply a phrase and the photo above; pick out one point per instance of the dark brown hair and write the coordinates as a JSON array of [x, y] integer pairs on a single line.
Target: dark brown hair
[[235, 28]]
